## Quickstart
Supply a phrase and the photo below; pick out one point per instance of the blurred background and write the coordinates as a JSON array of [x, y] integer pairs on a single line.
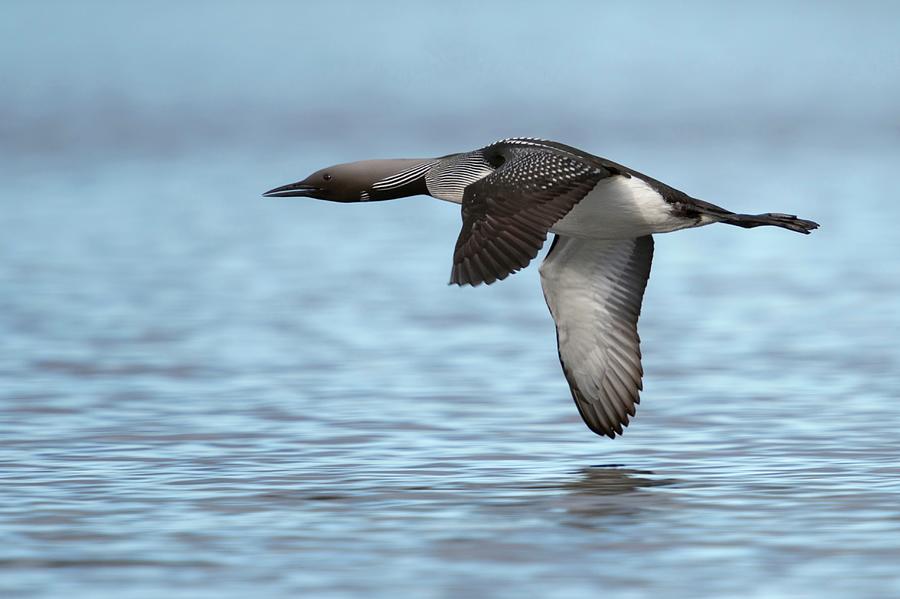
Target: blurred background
[[204, 393]]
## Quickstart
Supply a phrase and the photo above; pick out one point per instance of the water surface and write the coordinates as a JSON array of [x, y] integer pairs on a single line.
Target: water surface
[[204, 393]]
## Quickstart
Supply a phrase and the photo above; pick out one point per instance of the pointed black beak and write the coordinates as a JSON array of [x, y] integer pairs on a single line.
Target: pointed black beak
[[300, 189]]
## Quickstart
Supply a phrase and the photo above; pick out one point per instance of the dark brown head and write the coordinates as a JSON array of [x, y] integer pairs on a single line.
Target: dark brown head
[[363, 181]]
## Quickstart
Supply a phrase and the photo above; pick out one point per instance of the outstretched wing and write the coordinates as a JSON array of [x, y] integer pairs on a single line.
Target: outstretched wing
[[594, 290], [507, 214]]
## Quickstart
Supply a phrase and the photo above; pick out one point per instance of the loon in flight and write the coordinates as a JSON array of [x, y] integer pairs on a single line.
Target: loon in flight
[[513, 193]]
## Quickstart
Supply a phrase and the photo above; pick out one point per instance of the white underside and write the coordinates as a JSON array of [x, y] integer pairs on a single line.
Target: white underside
[[618, 208], [621, 208], [594, 290]]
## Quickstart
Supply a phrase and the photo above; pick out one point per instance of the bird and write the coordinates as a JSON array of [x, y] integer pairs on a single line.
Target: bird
[[515, 192]]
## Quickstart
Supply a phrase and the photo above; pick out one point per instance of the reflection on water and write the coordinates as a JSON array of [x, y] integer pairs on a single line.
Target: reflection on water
[[597, 493], [600, 481]]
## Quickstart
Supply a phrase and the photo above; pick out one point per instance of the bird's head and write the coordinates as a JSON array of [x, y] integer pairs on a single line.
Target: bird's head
[[362, 181]]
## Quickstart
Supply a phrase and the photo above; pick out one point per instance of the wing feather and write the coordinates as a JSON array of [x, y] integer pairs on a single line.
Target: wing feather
[[508, 213], [594, 289]]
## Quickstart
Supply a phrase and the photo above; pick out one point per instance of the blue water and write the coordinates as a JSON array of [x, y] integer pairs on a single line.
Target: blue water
[[205, 393]]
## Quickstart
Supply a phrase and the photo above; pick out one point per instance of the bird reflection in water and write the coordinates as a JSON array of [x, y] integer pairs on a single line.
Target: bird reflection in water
[[596, 496]]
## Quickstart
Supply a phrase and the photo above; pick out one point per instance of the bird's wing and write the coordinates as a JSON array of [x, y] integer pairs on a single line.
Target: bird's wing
[[507, 214], [594, 290]]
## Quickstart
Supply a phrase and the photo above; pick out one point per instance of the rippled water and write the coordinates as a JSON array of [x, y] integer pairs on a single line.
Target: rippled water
[[215, 394], [205, 393]]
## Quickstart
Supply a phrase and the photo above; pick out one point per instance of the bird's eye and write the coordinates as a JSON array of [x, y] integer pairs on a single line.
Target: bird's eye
[[327, 177]]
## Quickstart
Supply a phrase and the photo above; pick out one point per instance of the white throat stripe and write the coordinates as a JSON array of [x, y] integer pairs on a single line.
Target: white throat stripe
[[405, 176]]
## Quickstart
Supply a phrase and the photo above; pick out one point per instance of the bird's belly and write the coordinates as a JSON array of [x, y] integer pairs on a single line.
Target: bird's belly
[[618, 208]]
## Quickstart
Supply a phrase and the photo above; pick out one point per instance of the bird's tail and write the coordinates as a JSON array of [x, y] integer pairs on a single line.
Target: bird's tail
[[774, 219]]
